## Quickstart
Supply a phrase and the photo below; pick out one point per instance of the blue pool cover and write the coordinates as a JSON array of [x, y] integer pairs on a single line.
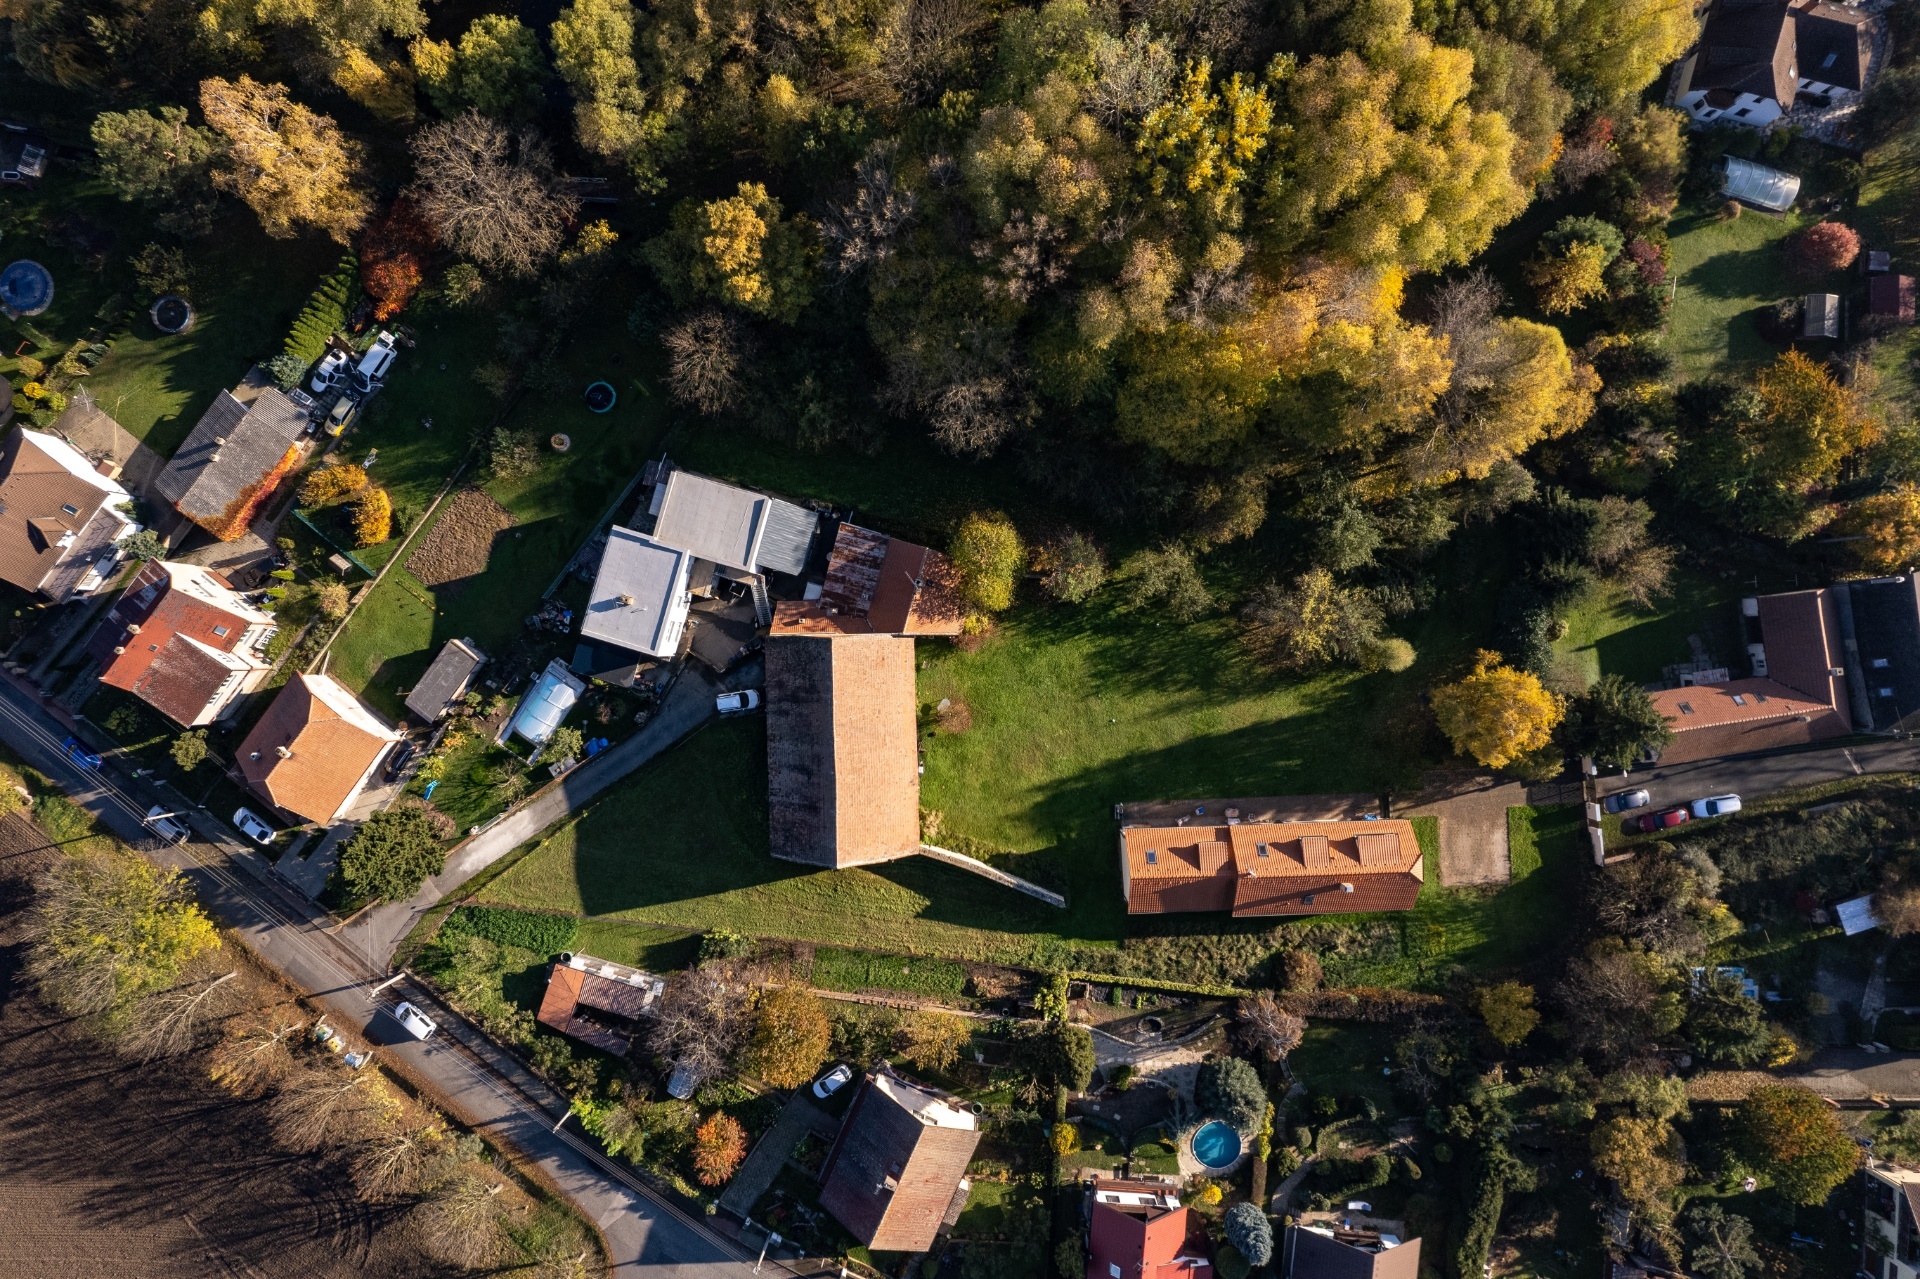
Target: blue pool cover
[[26, 287]]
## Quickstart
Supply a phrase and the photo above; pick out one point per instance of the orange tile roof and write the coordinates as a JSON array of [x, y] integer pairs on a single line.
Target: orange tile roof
[[1737, 702], [894, 587], [309, 753], [1272, 867]]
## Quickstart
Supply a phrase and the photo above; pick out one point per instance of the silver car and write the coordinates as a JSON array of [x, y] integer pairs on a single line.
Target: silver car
[[1623, 801], [252, 827], [414, 1022], [1716, 806]]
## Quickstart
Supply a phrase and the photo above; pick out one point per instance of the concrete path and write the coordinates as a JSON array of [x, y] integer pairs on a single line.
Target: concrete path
[[688, 705], [459, 1067], [1472, 808]]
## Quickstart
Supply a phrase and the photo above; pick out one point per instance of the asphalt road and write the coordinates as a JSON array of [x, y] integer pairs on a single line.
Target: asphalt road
[[493, 1093], [1767, 774]]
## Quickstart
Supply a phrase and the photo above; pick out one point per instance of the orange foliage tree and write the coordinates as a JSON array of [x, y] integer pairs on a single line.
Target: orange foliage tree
[[719, 1145], [393, 255], [1791, 1136]]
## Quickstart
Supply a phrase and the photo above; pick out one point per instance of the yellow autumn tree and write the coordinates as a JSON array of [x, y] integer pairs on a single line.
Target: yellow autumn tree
[[1201, 142], [113, 927], [1644, 1157], [1888, 525], [372, 517], [288, 164], [740, 251], [1384, 158], [1567, 280], [1810, 424], [331, 484], [1496, 714]]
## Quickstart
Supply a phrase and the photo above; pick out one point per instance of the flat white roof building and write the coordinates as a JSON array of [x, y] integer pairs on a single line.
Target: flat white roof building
[[640, 595]]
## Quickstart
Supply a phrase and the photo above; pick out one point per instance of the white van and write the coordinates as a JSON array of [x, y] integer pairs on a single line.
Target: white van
[[373, 366]]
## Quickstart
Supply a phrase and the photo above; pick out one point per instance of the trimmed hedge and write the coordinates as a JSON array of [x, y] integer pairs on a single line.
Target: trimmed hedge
[[326, 312], [529, 930]]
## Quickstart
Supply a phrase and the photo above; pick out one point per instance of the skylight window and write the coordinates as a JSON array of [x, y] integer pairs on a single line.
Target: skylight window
[[1686, 708], [221, 631], [1886, 692], [1759, 697], [1739, 700], [1259, 850], [70, 509], [1829, 60], [1879, 663], [1153, 857]]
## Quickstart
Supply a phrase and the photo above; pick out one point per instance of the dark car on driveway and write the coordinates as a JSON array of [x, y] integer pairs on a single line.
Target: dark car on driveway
[[402, 756], [1663, 820], [1621, 801]]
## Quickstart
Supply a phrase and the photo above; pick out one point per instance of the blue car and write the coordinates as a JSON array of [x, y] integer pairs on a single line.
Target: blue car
[[80, 754]]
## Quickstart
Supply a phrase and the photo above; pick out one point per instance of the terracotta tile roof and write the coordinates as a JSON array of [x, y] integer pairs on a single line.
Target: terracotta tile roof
[[625, 994], [1272, 868], [1801, 632], [900, 1155], [896, 586], [174, 639], [843, 763], [1738, 702], [49, 494], [313, 748], [1145, 1240]]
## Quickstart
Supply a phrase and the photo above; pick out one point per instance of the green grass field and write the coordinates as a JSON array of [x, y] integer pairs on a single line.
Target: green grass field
[[1342, 1059], [684, 846], [396, 632], [1608, 634], [1723, 272], [1888, 217]]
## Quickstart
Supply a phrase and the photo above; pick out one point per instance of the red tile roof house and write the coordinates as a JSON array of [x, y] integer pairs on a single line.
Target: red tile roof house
[[313, 751], [1271, 868], [897, 1171], [1799, 693], [597, 1001], [59, 517], [182, 640], [1138, 1230]]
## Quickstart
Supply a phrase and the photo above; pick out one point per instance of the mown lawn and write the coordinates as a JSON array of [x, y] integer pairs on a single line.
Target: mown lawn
[[1608, 634], [1723, 272], [246, 289], [1346, 1059], [1889, 218], [684, 845], [398, 629]]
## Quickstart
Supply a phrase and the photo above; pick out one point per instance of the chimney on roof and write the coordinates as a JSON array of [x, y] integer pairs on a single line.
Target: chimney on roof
[[283, 752], [119, 649], [627, 600], [133, 628]]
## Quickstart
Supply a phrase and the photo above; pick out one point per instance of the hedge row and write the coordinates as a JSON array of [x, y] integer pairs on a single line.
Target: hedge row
[[526, 929], [854, 970], [326, 312]]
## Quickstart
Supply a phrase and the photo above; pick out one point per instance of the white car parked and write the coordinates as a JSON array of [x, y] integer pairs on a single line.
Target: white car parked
[[414, 1022], [252, 827], [737, 703], [832, 1082], [165, 824], [331, 373], [1716, 806], [373, 366]]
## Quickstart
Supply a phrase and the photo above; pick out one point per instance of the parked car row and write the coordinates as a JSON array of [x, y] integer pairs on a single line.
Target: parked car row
[[1666, 818], [354, 381]]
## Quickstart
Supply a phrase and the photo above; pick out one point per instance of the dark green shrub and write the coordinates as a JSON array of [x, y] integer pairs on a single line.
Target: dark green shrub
[[526, 929], [326, 312]]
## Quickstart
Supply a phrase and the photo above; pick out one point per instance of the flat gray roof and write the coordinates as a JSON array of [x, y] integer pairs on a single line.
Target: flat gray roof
[[639, 595], [734, 527]]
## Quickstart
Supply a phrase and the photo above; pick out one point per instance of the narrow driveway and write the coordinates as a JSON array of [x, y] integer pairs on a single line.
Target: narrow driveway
[[1767, 774], [688, 705], [488, 1089]]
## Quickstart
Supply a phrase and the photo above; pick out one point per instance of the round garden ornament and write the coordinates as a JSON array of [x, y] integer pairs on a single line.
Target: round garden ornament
[[561, 442], [171, 314], [600, 397], [26, 288]]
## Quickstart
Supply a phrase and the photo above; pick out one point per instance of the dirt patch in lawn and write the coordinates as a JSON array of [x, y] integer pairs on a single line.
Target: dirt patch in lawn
[[455, 550]]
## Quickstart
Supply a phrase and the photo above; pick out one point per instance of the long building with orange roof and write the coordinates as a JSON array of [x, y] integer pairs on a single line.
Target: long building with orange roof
[[1271, 868]]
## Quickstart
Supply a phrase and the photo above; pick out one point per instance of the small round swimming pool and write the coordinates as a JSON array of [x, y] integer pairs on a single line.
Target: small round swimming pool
[[1216, 1144]]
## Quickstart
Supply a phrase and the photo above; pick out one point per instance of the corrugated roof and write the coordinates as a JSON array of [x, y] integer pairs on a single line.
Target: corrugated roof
[[639, 599], [788, 540], [446, 680], [1759, 185], [547, 703], [233, 447], [330, 743]]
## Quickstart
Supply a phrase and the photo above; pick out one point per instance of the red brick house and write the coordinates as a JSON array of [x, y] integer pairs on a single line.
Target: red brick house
[[1271, 868], [897, 1171], [182, 640], [1138, 1230]]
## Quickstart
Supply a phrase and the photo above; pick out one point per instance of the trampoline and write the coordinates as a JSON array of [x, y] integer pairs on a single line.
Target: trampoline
[[600, 397], [171, 314], [26, 288]]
